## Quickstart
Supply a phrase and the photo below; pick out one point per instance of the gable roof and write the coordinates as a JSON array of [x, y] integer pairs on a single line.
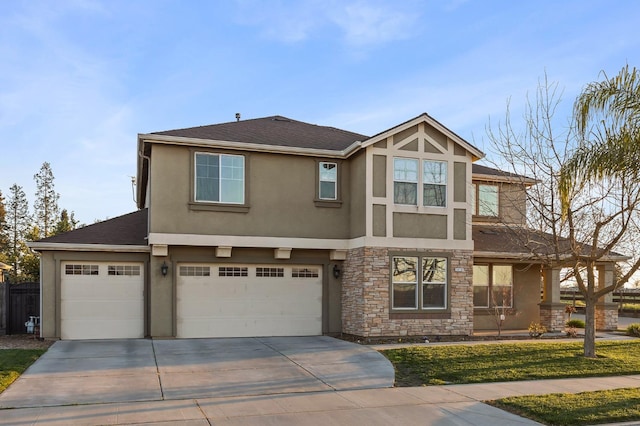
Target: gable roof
[[275, 131], [124, 232], [426, 118]]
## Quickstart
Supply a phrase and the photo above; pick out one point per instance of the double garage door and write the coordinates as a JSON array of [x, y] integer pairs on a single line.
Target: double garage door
[[215, 300], [102, 300]]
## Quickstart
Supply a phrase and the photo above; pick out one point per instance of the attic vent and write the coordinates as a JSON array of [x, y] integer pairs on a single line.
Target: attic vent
[[281, 119], [488, 232]]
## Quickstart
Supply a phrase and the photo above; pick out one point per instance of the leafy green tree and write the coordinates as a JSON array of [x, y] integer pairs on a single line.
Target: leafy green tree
[[30, 261], [66, 223], [4, 231], [46, 204], [18, 222]]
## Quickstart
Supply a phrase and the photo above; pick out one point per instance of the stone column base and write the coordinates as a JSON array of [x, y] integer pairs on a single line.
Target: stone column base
[[552, 316], [607, 317]]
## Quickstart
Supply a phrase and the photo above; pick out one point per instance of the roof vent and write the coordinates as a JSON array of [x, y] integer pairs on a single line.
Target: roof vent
[[237, 116], [279, 118]]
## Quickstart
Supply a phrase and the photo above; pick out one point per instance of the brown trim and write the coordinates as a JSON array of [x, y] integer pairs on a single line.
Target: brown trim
[[328, 203], [419, 315], [212, 207]]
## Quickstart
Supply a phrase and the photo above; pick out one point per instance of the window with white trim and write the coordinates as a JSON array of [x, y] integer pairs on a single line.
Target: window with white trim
[[328, 181], [434, 183], [405, 181], [485, 200], [419, 283], [129, 270], [219, 178], [492, 286]]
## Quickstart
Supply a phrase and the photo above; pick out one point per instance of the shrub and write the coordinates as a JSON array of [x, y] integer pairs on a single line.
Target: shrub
[[572, 332], [536, 330], [634, 329], [575, 323]]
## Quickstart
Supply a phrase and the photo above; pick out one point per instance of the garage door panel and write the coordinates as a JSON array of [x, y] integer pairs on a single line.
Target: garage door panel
[[252, 305], [108, 303], [100, 329], [104, 309]]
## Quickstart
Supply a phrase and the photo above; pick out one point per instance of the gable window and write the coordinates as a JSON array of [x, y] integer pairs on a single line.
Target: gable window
[[328, 177], [418, 283], [405, 181], [219, 178], [485, 200], [492, 286], [434, 182]]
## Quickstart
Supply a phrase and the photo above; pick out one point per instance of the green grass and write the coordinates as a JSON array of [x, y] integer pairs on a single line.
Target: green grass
[[610, 406], [13, 362], [437, 365]]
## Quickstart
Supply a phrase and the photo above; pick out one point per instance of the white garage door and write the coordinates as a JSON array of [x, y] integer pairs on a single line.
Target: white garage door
[[248, 300], [102, 300]]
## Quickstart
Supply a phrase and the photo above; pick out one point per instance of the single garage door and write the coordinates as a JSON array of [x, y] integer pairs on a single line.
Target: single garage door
[[102, 300], [248, 300]]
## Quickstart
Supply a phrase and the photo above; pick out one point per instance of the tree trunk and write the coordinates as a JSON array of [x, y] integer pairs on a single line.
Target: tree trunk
[[590, 328]]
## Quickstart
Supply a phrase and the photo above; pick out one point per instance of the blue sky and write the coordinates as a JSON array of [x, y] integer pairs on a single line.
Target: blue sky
[[79, 79]]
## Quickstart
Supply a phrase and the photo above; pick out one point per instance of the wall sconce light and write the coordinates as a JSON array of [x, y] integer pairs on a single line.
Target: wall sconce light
[[164, 269], [336, 271]]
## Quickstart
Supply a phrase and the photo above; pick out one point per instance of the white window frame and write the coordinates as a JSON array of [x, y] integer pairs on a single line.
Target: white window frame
[[477, 202], [420, 283], [334, 181], [440, 181], [220, 178], [405, 180]]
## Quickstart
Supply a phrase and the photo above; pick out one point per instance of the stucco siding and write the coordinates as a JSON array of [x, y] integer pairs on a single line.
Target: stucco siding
[[411, 225], [278, 205]]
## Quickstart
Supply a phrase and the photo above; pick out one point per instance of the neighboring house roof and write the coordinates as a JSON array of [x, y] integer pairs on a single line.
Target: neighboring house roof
[[504, 242], [127, 231], [274, 131], [481, 172]]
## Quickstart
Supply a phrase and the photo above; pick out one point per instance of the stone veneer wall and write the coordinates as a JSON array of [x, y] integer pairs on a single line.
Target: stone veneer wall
[[607, 317], [553, 317], [366, 295]]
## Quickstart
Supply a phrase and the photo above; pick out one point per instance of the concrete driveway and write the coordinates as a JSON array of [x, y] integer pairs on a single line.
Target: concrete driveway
[[108, 371]]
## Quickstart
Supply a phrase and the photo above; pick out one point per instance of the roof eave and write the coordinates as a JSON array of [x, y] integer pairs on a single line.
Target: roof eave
[[122, 248], [245, 146]]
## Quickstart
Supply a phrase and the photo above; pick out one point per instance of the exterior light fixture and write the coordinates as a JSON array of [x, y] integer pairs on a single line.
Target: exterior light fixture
[[336, 271], [164, 269]]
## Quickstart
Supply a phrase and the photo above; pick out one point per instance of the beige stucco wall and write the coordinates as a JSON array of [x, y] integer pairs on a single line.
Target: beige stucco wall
[[279, 206], [162, 313], [357, 194], [50, 283], [526, 294]]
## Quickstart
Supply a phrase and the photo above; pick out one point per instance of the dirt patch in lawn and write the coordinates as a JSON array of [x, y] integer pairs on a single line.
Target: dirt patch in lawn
[[23, 341]]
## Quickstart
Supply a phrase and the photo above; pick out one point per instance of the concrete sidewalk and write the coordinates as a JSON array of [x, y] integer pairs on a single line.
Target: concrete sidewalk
[[433, 405]]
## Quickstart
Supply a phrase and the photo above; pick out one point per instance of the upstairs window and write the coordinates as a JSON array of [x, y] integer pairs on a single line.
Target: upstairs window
[[219, 178], [434, 182], [328, 189], [485, 200], [405, 181]]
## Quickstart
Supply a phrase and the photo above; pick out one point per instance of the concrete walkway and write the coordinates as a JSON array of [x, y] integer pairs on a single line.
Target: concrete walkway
[[340, 394]]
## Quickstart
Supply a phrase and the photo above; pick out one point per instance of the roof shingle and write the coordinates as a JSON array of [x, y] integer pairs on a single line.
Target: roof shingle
[[275, 130]]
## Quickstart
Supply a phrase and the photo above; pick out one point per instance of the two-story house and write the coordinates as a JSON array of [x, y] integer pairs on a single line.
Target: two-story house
[[275, 227]]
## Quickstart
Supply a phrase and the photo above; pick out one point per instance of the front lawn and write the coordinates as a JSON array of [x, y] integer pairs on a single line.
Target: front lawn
[[438, 365], [13, 362], [609, 406]]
